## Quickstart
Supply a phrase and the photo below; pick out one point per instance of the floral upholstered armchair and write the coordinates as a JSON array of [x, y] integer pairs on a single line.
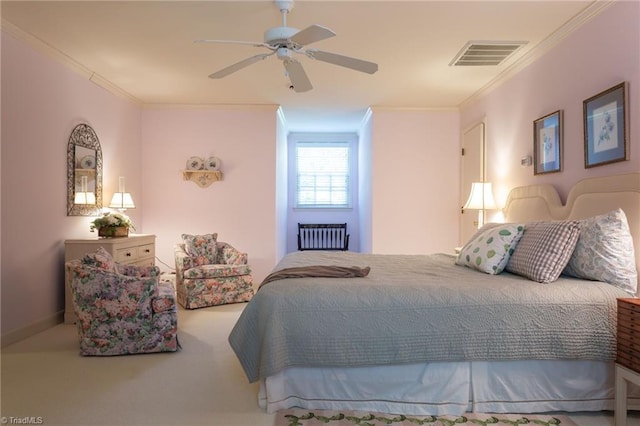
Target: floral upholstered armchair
[[121, 309], [211, 272]]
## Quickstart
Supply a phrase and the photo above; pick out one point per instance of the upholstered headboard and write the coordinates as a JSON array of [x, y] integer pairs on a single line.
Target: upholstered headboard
[[589, 197]]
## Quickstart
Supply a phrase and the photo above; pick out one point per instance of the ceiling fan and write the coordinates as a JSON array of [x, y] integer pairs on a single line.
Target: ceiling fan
[[284, 42]]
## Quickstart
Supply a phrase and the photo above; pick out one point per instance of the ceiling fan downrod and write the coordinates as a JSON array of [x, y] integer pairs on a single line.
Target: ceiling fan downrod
[[285, 7]]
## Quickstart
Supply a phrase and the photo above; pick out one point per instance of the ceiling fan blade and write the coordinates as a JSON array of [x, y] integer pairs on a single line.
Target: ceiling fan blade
[[248, 43], [343, 61], [239, 65], [312, 34], [298, 77]]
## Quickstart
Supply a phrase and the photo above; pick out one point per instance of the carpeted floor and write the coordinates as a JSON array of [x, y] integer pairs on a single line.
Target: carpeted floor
[[299, 417], [44, 377]]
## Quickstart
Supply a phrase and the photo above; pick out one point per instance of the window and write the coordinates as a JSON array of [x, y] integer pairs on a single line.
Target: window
[[323, 174]]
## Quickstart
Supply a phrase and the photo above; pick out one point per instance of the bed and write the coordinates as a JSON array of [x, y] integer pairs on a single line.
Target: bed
[[421, 334]]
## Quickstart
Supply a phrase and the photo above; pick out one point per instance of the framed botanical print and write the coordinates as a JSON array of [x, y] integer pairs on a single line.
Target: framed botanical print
[[547, 143], [606, 127]]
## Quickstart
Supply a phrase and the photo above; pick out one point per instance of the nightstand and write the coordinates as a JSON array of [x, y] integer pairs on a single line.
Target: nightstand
[[136, 249], [628, 354]]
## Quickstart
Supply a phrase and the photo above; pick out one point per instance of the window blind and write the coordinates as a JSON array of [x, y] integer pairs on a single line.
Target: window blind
[[322, 174]]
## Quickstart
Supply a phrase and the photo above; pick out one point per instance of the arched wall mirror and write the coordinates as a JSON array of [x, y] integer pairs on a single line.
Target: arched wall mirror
[[84, 172]]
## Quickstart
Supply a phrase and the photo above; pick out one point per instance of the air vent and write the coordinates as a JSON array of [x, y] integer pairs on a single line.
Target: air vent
[[485, 53]]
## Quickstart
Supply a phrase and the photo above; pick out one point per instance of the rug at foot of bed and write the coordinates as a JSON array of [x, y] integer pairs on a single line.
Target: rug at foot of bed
[[300, 417]]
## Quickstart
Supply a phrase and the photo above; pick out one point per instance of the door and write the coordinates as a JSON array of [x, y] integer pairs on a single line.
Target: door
[[472, 170]]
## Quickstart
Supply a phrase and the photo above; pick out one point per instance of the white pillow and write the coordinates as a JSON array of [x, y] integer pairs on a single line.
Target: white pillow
[[489, 251], [604, 252]]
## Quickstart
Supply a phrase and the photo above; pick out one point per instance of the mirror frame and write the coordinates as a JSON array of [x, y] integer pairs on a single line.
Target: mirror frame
[[83, 135]]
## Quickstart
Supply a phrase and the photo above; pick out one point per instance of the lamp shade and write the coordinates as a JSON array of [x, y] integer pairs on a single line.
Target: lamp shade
[[122, 200], [84, 198], [481, 197]]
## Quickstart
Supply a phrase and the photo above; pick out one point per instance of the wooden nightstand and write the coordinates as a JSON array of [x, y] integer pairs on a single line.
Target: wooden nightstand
[[133, 250], [628, 354]]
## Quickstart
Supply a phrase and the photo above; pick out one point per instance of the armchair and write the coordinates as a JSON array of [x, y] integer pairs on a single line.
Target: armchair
[[121, 309], [211, 272]]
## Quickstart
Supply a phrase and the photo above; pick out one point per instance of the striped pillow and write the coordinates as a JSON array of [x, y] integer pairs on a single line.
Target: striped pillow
[[544, 250]]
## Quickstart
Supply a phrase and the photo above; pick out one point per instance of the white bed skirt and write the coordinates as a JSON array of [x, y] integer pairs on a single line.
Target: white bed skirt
[[449, 388]]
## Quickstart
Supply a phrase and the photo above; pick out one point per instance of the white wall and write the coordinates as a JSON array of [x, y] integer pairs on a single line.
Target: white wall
[[281, 186], [415, 187], [365, 179], [350, 216], [599, 55]]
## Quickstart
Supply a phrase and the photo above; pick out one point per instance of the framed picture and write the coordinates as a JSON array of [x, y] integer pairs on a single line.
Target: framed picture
[[547, 143], [605, 127]]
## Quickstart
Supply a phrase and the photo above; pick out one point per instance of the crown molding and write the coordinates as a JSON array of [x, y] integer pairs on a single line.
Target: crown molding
[[384, 108], [588, 13], [60, 57], [239, 107]]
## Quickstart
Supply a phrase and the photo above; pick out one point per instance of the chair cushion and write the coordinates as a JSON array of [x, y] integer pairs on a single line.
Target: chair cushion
[[217, 271], [100, 259], [201, 247]]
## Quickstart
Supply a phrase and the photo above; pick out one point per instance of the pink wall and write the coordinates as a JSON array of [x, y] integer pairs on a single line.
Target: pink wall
[[240, 208], [414, 173], [42, 101], [599, 55], [415, 181]]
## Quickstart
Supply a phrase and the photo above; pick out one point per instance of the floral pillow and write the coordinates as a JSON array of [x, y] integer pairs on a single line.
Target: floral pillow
[[544, 250], [201, 247], [604, 252], [489, 251], [100, 259]]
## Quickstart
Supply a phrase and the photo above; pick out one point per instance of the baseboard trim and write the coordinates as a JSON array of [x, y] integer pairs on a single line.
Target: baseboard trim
[[32, 329]]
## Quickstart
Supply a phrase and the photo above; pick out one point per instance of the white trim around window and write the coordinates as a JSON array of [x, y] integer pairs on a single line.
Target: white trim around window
[[323, 167]]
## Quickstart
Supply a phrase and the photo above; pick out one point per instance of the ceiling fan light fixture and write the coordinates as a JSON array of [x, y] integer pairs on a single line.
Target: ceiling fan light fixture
[[284, 53]]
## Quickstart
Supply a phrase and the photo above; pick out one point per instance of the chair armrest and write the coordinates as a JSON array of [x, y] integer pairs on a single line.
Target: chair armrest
[[137, 271], [163, 304], [183, 260], [229, 255], [101, 295]]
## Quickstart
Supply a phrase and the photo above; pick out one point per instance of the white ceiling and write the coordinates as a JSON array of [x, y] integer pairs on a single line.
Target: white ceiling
[[145, 49]]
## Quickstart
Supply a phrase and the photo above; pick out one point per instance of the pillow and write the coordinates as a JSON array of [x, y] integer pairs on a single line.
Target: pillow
[[100, 259], [485, 227], [604, 252], [202, 247], [544, 250], [489, 251]]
